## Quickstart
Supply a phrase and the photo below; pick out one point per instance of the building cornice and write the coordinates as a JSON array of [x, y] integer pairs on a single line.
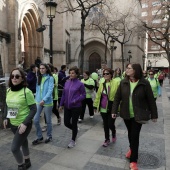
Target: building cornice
[[155, 52]]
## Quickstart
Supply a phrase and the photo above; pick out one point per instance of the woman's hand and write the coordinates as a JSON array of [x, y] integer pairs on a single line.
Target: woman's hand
[[154, 120], [5, 123], [22, 128], [60, 108], [114, 116], [42, 103]]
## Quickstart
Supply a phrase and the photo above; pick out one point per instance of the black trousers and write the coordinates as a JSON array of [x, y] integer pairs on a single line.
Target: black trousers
[[71, 119], [55, 109], [161, 82], [20, 140], [134, 129], [109, 124], [60, 93], [89, 103]]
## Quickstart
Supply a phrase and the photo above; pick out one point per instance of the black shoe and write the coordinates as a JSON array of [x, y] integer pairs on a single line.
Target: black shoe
[[49, 139], [59, 121], [22, 167], [37, 141], [27, 163]]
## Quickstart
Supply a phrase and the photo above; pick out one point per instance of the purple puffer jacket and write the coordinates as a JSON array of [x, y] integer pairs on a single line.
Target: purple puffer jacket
[[73, 94]]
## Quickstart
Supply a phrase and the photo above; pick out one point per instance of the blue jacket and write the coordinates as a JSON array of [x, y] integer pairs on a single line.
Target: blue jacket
[[44, 91], [73, 94]]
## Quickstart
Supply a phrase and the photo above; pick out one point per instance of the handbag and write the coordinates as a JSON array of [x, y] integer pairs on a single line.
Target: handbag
[[109, 104]]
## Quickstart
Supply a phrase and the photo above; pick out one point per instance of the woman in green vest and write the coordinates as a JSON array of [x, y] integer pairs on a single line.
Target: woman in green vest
[[137, 105], [156, 88], [117, 74], [55, 93], [21, 109], [89, 85], [103, 103]]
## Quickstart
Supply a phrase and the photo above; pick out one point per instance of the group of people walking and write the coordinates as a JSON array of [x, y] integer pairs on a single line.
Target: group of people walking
[[131, 97]]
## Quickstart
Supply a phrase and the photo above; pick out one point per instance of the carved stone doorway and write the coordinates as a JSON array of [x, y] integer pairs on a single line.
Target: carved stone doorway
[[94, 62], [32, 41]]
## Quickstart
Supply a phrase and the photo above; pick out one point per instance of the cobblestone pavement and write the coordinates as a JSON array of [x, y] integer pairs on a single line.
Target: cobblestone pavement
[[154, 150]]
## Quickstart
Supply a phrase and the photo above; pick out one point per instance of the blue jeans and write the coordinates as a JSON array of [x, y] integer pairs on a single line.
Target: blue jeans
[[48, 113]]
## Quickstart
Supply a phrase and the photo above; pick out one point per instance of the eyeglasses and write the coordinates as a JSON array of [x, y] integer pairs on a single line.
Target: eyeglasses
[[150, 74], [128, 68], [16, 76], [106, 74]]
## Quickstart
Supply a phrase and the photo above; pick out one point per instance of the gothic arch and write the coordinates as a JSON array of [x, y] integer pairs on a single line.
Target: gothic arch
[[94, 62], [31, 40], [92, 45]]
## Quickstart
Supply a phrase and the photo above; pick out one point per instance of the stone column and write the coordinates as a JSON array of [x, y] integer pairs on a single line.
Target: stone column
[[13, 30], [3, 94]]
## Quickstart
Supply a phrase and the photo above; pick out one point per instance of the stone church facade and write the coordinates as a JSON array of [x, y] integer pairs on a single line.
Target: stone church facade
[[19, 20]]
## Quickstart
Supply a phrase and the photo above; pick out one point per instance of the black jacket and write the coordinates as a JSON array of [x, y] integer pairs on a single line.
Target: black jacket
[[31, 81], [143, 101], [62, 79]]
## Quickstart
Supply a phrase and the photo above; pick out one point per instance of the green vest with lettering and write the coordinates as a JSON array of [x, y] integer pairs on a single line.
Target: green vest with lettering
[[19, 100]]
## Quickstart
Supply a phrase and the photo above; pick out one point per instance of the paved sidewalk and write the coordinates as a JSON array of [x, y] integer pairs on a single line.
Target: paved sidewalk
[[154, 151]]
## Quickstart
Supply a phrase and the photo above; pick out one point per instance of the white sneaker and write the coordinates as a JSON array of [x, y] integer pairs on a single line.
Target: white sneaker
[[91, 117], [71, 144], [80, 120]]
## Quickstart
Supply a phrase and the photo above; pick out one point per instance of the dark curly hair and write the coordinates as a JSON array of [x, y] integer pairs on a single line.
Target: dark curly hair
[[75, 69], [24, 82], [109, 70]]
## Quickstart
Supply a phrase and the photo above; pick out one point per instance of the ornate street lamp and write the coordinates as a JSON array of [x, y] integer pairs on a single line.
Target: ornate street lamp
[[129, 57], [112, 48], [51, 11], [149, 64]]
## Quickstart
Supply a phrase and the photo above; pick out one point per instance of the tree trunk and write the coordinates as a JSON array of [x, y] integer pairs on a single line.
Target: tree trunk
[[105, 53], [82, 45], [168, 55], [122, 52]]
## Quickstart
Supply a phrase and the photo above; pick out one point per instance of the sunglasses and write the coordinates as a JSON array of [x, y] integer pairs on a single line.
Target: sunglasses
[[106, 74], [144, 73], [150, 74], [16, 76]]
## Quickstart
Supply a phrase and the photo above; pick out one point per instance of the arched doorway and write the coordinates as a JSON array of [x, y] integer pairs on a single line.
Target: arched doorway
[[94, 62], [32, 41]]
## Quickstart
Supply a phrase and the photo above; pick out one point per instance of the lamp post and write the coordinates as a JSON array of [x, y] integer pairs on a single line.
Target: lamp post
[[149, 64], [143, 59], [51, 11], [112, 48], [129, 57]]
